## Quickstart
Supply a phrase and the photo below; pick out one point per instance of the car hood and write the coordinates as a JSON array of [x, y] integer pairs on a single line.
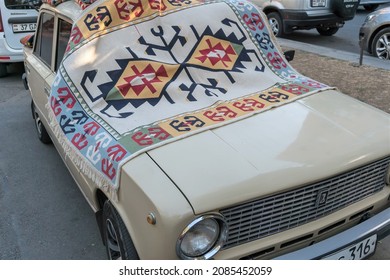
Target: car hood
[[304, 141]]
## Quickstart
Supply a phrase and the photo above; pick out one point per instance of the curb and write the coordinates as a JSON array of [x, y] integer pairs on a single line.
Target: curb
[[338, 54]]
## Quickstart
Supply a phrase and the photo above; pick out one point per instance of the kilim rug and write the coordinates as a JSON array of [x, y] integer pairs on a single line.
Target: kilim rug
[[138, 74]]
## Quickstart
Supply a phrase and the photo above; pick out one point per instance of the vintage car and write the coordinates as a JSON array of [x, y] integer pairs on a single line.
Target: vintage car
[[192, 137]]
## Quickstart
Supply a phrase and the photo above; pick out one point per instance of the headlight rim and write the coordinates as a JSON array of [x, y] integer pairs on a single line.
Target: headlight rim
[[223, 232]]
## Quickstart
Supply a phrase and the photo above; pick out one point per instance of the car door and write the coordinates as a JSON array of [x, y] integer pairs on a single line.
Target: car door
[[39, 62], [44, 59]]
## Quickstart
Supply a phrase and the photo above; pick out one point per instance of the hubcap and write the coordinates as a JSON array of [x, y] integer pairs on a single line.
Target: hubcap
[[382, 47], [274, 25], [114, 252], [38, 123]]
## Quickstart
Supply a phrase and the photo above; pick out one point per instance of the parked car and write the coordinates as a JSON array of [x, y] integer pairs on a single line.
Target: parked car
[[192, 137], [374, 34], [371, 5], [327, 17], [17, 18]]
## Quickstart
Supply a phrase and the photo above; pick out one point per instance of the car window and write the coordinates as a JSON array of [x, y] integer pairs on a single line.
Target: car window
[[44, 40], [21, 4], [64, 29]]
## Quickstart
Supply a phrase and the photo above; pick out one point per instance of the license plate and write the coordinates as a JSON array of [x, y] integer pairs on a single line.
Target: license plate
[[318, 3], [358, 251], [23, 27]]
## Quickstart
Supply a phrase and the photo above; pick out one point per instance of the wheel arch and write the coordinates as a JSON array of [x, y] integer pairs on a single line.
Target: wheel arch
[[271, 9], [371, 39], [100, 198]]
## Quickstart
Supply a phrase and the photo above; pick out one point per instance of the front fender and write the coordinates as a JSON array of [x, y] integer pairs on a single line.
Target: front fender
[[145, 189]]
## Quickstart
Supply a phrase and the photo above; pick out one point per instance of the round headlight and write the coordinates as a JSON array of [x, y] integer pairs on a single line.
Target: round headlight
[[202, 238]]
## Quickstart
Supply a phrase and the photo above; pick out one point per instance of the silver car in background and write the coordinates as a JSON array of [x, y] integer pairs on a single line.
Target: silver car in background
[[17, 19], [371, 5], [374, 35]]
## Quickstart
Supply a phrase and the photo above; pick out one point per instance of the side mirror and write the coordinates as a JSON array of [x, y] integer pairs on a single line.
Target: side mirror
[[289, 55], [27, 41]]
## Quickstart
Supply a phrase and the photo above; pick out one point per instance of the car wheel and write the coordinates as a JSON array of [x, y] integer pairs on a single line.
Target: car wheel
[[3, 70], [370, 7], [327, 31], [381, 44], [276, 24], [41, 130], [117, 239]]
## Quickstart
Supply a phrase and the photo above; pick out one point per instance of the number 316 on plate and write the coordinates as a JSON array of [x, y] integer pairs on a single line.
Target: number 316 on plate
[[357, 251]]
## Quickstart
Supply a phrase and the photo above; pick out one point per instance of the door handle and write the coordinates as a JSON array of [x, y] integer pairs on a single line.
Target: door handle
[[27, 68], [47, 90]]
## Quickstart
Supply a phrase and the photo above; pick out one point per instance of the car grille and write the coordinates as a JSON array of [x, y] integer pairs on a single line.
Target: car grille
[[277, 213]]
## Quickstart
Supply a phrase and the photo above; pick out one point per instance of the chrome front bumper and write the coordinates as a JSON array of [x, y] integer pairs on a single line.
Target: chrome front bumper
[[378, 224]]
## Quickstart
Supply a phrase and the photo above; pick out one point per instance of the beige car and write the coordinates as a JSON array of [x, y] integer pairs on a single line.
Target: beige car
[[191, 136]]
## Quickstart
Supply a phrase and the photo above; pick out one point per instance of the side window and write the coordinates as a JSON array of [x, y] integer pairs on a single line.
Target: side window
[[64, 29], [44, 40]]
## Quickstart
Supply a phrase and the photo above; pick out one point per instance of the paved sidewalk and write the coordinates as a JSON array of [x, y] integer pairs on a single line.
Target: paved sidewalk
[[338, 54]]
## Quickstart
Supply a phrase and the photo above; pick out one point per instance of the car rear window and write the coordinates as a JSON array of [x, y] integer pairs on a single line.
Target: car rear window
[[21, 4], [44, 38]]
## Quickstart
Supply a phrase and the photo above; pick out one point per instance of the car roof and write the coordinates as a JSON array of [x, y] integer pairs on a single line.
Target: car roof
[[68, 9]]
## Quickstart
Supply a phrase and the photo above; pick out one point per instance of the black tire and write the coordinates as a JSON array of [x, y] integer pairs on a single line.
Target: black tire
[[345, 10], [379, 47], [3, 70], [43, 136], [276, 24], [119, 245], [370, 7], [327, 31]]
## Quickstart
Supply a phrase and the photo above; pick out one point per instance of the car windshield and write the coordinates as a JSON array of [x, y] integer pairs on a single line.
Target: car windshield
[[21, 4]]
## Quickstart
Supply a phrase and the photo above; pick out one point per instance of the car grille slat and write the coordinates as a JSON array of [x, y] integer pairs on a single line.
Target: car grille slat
[[280, 212], [267, 214]]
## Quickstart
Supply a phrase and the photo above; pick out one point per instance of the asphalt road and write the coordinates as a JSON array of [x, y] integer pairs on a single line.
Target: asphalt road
[[346, 39], [43, 215]]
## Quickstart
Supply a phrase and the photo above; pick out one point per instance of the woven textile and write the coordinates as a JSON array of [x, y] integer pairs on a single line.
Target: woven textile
[[83, 3], [139, 74]]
